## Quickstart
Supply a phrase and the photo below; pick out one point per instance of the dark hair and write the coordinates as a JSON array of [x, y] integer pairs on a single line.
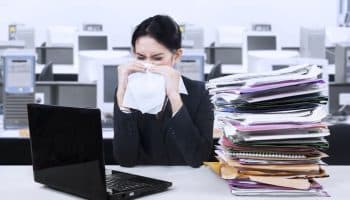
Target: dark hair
[[162, 28]]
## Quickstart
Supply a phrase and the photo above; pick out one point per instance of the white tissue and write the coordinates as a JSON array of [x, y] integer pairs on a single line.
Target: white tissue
[[146, 92]]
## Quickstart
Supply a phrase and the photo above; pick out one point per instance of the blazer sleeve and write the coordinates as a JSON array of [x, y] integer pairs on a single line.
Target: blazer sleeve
[[194, 137], [126, 137]]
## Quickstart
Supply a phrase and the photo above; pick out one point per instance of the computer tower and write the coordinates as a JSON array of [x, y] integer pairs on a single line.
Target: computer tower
[[312, 42], [18, 90], [342, 63]]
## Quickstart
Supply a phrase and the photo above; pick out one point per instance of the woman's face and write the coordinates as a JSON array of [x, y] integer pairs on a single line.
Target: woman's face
[[148, 50]]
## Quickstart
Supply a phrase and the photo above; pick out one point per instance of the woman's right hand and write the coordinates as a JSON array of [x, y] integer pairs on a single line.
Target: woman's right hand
[[123, 72]]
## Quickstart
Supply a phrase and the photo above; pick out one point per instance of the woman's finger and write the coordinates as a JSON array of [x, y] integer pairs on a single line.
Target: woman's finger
[[135, 68], [158, 70], [139, 64]]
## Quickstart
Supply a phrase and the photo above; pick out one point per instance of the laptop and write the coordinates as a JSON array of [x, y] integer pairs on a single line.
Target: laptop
[[67, 155]]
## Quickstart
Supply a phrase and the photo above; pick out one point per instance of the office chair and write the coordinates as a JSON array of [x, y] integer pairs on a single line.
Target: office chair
[[47, 72], [339, 143], [215, 71]]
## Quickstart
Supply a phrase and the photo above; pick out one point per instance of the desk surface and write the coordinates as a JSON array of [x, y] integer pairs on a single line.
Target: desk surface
[[188, 183]]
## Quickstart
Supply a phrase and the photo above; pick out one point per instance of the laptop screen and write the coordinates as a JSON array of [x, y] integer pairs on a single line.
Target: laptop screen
[[66, 146]]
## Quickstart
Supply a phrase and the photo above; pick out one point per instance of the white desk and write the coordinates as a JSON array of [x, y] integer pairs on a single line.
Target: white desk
[[188, 183]]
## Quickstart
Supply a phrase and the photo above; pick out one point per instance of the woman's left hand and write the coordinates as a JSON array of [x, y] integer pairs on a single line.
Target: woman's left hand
[[172, 78]]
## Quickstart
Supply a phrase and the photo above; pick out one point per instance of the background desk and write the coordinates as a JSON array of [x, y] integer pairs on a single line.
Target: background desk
[[188, 183], [15, 149]]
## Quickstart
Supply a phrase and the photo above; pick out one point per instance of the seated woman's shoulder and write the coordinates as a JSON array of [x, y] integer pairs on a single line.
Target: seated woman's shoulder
[[194, 86]]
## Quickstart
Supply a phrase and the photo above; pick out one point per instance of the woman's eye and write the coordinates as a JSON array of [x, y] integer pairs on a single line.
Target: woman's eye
[[140, 58], [158, 58]]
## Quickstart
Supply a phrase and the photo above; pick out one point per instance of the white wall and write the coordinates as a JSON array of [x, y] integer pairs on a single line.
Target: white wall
[[119, 16]]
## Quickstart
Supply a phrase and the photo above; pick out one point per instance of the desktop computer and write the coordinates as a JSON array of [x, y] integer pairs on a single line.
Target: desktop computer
[[5, 45], [261, 40], [92, 42], [228, 55], [230, 36], [61, 35], [106, 85], [18, 90], [342, 63], [191, 65], [92, 61], [101, 67], [312, 42], [224, 55], [55, 55], [110, 81], [231, 58], [106, 88]]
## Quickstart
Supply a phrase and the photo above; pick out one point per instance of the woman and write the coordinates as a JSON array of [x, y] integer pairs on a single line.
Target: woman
[[182, 132]]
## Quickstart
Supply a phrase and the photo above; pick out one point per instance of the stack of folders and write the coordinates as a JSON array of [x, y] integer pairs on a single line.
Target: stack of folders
[[273, 131]]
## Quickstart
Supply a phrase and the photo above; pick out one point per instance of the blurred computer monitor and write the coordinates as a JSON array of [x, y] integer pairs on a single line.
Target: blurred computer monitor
[[106, 94], [62, 93], [92, 42], [312, 42], [110, 81], [261, 42], [100, 67], [106, 84], [61, 35], [228, 55], [230, 35], [91, 62], [56, 55], [342, 62], [192, 66]]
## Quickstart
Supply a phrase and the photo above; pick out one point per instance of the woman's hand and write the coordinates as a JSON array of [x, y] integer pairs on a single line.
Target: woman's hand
[[123, 72], [172, 78]]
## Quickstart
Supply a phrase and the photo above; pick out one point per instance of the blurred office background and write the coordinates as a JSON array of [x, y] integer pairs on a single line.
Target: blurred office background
[[118, 17], [66, 52]]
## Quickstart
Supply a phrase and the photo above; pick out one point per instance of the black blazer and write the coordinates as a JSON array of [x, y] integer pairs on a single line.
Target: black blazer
[[163, 139]]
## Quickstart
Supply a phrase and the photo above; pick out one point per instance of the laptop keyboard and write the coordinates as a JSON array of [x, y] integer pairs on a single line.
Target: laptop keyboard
[[114, 182]]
